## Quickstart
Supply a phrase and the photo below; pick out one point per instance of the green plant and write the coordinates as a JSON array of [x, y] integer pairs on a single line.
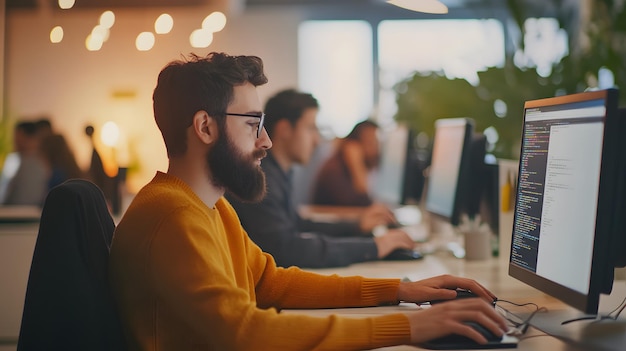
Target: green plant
[[422, 99], [6, 137]]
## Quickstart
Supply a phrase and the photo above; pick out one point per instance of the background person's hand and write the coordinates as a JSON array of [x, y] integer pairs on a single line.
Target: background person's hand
[[391, 240], [375, 215], [447, 318]]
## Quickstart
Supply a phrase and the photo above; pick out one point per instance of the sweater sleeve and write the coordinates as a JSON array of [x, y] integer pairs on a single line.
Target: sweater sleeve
[[196, 281], [294, 288]]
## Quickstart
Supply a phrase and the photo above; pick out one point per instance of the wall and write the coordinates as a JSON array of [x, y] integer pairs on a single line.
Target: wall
[[2, 33], [76, 87]]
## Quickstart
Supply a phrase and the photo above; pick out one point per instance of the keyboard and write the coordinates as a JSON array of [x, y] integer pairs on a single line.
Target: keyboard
[[459, 342], [446, 343]]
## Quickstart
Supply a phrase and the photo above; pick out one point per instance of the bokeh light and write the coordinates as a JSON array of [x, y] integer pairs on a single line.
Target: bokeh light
[[145, 41], [56, 35], [163, 24]]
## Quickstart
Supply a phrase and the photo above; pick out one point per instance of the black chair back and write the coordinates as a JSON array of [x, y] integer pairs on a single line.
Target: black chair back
[[68, 303]]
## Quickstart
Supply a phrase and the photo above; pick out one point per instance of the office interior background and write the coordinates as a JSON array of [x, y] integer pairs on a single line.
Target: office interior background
[[359, 58]]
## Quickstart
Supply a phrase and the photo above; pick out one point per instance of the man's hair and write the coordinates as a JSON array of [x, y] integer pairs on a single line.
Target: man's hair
[[194, 84], [287, 104], [359, 127], [26, 127], [43, 124]]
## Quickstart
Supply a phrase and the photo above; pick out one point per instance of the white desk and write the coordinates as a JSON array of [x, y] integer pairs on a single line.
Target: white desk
[[492, 273]]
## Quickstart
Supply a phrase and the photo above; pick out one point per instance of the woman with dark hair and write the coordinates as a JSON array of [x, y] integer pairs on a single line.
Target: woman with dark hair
[[343, 178], [60, 159]]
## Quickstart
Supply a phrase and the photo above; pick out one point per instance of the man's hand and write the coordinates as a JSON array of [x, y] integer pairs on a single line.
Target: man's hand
[[391, 240], [375, 215], [440, 288], [447, 318]]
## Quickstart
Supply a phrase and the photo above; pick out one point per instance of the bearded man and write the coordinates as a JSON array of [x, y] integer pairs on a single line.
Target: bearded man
[[186, 276]]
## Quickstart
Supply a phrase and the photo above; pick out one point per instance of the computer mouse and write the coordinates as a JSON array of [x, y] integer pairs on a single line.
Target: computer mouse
[[455, 341], [403, 254], [488, 334]]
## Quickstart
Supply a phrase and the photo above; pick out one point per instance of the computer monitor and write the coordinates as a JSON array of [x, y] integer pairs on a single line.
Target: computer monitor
[[396, 171], [481, 177], [448, 174], [483, 199], [565, 209]]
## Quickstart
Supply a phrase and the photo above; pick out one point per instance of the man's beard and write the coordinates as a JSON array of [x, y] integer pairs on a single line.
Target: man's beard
[[235, 172]]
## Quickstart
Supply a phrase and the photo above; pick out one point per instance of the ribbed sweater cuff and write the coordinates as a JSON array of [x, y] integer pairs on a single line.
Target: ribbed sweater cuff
[[391, 329], [376, 292]]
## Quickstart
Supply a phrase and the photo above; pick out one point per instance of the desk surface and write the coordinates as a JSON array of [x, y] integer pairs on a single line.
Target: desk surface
[[330, 213], [492, 273], [19, 214]]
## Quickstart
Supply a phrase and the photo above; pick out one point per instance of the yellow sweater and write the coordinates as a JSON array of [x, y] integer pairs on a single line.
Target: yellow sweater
[[187, 277]]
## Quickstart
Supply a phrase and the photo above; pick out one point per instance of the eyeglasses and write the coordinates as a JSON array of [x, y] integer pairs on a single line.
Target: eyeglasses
[[261, 117]]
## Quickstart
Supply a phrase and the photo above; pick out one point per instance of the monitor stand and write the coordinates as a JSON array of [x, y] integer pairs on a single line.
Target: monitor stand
[[590, 334]]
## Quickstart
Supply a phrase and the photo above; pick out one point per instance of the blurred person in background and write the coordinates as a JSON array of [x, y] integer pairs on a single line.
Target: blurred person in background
[[44, 127], [274, 223], [24, 175], [59, 159], [343, 178]]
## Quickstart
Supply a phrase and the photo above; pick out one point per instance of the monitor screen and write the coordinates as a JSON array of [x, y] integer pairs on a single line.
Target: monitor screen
[[562, 210], [448, 169], [391, 176]]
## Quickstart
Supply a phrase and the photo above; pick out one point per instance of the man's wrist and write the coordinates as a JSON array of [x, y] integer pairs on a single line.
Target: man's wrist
[[403, 290]]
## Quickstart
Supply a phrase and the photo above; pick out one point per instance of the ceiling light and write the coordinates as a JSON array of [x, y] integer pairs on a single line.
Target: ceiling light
[[93, 43], [56, 35], [201, 38], [144, 41], [426, 6], [163, 24], [107, 19], [66, 4], [214, 22]]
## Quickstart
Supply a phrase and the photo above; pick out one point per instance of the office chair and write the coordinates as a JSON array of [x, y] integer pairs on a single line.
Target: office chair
[[68, 303]]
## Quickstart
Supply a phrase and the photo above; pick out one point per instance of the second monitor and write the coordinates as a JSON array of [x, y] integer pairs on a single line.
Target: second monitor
[[457, 174]]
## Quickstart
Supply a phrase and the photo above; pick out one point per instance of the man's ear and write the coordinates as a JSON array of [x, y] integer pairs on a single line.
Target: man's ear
[[282, 127], [205, 127]]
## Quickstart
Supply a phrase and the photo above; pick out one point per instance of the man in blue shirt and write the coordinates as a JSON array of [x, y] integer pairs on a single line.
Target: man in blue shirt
[[274, 223]]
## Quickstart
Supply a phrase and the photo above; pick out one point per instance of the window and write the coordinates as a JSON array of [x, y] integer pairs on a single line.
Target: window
[[455, 48], [335, 64], [336, 60]]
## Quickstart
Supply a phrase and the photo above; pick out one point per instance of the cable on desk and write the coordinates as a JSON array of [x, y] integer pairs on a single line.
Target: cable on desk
[[522, 327], [618, 309], [597, 318]]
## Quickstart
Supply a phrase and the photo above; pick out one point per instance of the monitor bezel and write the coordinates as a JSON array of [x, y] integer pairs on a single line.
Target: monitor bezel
[[601, 277], [618, 243]]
